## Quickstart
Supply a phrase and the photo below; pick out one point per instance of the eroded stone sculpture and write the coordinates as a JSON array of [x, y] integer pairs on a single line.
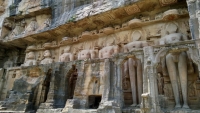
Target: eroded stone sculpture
[[47, 57], [33, 26], [87, 54], [133, 70], [46, 24], [181, 59], [30, 59], [160, 81], [108, 51], [72, 81], [19, 28], [66, 56]]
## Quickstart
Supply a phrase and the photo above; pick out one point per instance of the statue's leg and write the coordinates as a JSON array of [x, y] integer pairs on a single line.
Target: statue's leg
[[173, 77], [125, 69], [182, 67], [139, 80], [133, 80]]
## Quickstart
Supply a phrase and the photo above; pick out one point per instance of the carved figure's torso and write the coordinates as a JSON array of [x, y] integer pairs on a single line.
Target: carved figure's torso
[[65, 57], [47, 61], [107, 51]]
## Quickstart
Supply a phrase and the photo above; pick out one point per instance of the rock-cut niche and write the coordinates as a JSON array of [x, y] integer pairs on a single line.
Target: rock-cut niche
[[71, 80], [45, 87], [132, 81]]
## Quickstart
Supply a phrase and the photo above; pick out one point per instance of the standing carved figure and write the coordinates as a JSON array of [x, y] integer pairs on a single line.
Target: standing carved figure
[[174, 58], [133, 68], [160, 80]]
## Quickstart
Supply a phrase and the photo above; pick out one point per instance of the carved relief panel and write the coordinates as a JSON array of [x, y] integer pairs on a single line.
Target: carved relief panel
[[13, 28]]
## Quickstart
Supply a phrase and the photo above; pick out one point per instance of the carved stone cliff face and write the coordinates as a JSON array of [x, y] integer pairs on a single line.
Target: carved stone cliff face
[[99, 56]]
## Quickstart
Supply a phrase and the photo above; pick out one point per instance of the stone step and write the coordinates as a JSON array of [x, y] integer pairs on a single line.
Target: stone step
[[131, 110], [82, 111], [59, 110], [184, 111]]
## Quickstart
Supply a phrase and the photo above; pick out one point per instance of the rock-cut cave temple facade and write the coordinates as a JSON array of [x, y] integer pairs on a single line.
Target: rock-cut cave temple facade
[[100, 56]]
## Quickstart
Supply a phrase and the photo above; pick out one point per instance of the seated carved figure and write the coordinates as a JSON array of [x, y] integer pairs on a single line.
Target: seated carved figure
[[30, 59], [108, 51], [19, 28], [46, 23], [133, 69], [47, 58], [33, 26], [87, 54], [66, 56], [174, 59]]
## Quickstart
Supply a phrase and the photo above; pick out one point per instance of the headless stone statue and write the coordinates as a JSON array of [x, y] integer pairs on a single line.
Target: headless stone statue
[[108, 51], [47, 58], [30, 59], [66, 56], [174, 71], [133, 68]]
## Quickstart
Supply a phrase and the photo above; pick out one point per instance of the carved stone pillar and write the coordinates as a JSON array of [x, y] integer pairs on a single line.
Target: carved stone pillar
[[150, 73], [106, 79], [193, 51], [118, 94], [109, 104], [193, 20]]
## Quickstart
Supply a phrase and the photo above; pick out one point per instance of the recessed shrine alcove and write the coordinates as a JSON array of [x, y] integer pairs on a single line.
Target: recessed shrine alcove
[[131, 81], [94, 101]]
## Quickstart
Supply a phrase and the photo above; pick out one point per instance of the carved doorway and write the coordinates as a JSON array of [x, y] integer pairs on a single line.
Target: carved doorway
[[94, 101]]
